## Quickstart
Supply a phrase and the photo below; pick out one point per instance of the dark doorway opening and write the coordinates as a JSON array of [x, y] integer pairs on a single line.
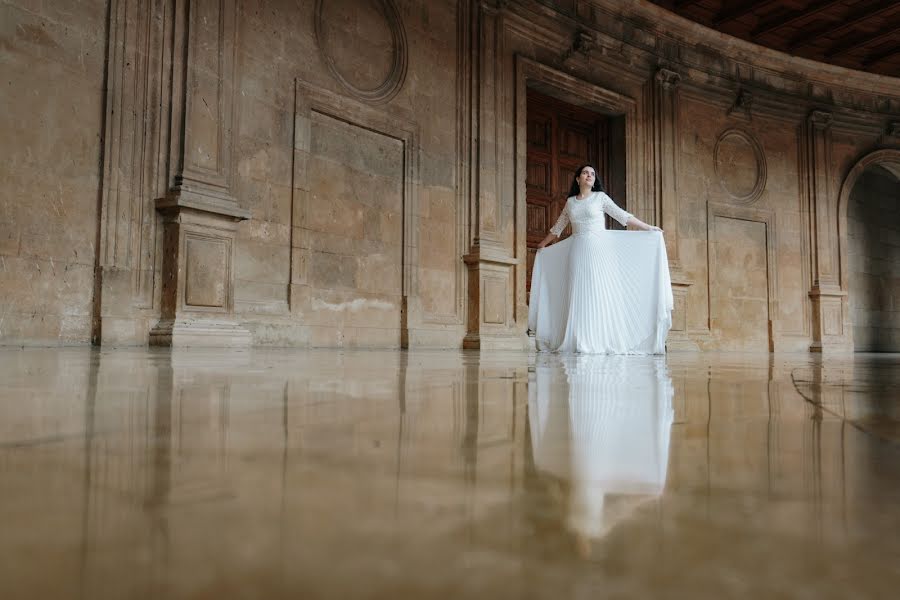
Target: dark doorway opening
[[560, 138]]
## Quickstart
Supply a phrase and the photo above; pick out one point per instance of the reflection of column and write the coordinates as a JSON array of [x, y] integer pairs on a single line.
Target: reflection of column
[[128, 466], [90, 407], [828, 301], [664, 184], [200, 213]]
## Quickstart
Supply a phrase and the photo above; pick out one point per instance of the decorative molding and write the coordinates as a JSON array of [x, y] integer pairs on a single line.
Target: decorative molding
[[582, 43], [742, 105], [396, 76], [764, 104], [135, 156], [636, 34], [756, 215], [311, 100], [663, 105], [667, 78], [830, 308], [758, 157], [466, 148], [203, 102], [821, 119], [816, 168], [197, 300]]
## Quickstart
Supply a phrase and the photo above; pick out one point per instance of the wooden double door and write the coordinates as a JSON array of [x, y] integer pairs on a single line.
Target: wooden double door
[[560, 137]]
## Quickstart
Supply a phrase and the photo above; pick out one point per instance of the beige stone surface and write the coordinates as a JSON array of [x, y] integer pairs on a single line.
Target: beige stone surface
[[51, 61], [431, 474]]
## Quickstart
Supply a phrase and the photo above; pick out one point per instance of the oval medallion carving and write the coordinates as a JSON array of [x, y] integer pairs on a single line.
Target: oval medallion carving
[[740, 165], [363, 43]]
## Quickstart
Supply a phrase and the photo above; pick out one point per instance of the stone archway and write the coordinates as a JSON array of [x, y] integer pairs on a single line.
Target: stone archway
[[889, 161]]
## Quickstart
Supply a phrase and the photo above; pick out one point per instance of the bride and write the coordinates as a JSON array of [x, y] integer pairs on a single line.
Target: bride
[[599, 291]]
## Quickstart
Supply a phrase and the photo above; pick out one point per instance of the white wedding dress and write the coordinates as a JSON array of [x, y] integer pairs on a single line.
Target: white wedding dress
[[600, 291]]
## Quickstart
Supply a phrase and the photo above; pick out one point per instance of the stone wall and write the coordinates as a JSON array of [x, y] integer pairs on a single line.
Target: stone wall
[[874, 259], [350, 172], [347, 145], [51, 61]]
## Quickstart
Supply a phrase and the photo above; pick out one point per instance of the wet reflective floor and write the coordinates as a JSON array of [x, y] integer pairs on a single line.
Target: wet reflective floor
[[324, 474]]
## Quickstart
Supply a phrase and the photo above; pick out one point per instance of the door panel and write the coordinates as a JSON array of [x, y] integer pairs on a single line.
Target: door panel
[[561, 138]]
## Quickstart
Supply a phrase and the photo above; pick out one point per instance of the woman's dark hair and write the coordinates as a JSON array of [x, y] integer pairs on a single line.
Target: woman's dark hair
[[576, 189]]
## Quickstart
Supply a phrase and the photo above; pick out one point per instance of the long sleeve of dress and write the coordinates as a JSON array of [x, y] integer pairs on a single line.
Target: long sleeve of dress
[[613, 210], [561, 222]]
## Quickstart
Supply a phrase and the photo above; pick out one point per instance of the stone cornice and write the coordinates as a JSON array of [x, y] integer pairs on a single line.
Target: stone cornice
[[642, 34], [672, 26]]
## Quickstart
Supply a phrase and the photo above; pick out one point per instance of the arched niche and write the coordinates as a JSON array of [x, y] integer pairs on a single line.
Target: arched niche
[[886, 159]]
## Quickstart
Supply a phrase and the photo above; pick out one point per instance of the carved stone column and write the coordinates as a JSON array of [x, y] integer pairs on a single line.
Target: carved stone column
[[200, 213], [491, 261], [664, 185], [829, 302]]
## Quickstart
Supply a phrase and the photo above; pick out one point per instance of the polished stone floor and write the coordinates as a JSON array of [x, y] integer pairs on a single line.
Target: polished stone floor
[[273, 474]]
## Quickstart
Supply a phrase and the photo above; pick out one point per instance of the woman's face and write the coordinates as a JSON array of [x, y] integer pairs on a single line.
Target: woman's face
[[586, 177]]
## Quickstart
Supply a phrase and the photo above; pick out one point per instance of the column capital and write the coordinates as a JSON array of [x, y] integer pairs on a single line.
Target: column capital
[[667, 78], [820, 119]]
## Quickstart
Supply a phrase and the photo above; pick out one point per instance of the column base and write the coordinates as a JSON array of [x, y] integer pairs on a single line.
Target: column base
[[831, 321], [831, 348], [679, 341], [481, 341], [200, 333]]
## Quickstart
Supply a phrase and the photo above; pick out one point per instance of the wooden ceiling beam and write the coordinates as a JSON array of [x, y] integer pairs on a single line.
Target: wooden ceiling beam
[[870, 12], [736, 12], [682, 4], [855, 43], [796, 16], [879, 57]]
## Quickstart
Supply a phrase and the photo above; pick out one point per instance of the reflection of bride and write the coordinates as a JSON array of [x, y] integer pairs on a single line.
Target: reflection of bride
[[600, 426]]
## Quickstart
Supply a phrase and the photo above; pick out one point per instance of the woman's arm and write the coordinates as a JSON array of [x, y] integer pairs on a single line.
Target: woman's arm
[[550, 237], [635, 222], [557, 229]]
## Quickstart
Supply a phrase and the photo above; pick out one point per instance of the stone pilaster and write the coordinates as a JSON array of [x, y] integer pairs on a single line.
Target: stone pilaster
[[491, 261], [665, 187], [828, 301], [135, 170], [200, 213]]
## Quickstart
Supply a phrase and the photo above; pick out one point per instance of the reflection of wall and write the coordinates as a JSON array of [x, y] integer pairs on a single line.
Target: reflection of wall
[[740, 433], [184, 469], [151, 454], [873, 232]]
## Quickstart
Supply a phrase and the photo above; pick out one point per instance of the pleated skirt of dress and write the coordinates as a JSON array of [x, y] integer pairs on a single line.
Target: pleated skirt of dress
[[602, 292]]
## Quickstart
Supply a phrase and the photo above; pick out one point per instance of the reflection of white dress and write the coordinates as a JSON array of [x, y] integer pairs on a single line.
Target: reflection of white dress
[[603, 424], [599, 291]]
